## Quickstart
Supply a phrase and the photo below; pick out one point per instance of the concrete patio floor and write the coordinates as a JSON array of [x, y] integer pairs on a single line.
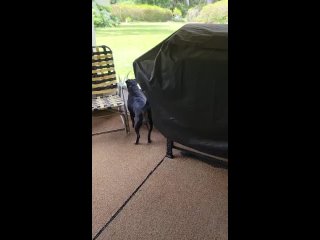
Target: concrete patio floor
[[138, 193]]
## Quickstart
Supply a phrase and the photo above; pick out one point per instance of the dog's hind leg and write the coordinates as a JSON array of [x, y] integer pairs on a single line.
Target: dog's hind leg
[[137, 126], [145, 119], [150, 125]]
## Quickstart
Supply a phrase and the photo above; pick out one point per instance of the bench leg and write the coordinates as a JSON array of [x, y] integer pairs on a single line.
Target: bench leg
[[125, 121]]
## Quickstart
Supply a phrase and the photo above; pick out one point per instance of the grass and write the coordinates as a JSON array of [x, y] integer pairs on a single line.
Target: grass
[[131, 40]]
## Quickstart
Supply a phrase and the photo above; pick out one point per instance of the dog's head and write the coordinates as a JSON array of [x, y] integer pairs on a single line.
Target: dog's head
[[132, 85], [131, 82]]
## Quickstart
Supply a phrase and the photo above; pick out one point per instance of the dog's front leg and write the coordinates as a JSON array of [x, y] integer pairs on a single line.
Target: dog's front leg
[[131, 116]]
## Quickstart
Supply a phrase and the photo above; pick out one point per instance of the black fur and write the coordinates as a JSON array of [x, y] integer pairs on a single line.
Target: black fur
[[139, 109]]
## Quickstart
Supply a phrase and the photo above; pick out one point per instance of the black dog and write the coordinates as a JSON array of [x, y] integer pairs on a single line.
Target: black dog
[[138, 107]]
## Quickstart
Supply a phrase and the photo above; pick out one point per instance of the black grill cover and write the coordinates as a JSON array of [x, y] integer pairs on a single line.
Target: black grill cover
[[185, 78]]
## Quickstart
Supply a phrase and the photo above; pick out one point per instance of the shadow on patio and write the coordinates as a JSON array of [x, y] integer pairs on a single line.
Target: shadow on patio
[[138, 193]]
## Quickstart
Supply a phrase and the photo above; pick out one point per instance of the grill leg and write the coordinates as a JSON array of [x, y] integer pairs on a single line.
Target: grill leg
[[169, 148]]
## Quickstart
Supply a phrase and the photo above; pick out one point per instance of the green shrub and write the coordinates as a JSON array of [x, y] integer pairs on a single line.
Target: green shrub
[[103, 17], [193, 13], [97, 19], [183, 8], [141, 12], [128, 19], [214, 13], [177, 13], [177, 16]]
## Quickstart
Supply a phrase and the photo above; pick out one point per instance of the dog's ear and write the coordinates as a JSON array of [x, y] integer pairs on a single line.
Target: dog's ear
[[130, 82], [127, 82], [133, 81]]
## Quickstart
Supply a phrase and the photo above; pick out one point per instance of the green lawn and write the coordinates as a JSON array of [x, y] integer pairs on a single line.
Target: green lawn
[[130, 40]]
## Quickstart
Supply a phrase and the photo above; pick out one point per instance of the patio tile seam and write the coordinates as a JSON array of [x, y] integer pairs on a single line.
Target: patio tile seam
[[127, 200]]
